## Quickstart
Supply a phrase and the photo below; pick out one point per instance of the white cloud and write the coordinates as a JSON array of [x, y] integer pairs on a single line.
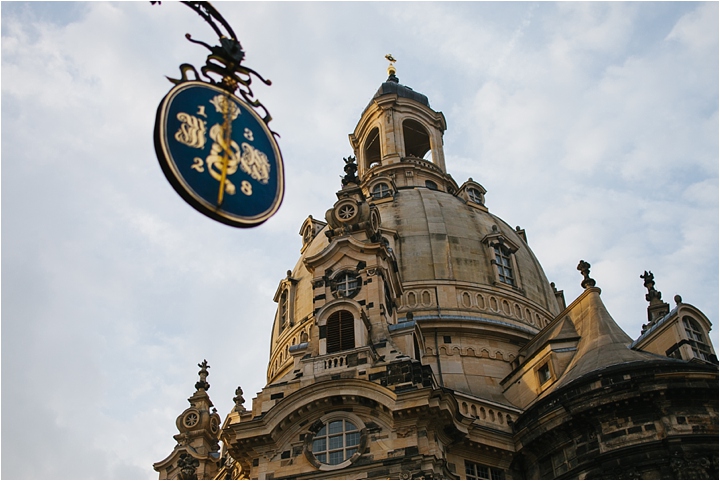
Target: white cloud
[[593, 126]]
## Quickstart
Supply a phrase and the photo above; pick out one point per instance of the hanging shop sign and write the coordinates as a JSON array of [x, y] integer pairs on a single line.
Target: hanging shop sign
[[212, 137]]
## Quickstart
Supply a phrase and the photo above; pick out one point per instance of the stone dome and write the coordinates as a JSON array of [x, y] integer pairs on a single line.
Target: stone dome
[[452, 268]]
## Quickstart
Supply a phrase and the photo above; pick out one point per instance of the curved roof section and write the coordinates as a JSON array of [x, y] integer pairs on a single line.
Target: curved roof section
[[401, 90], [440, 238], [602, 342]]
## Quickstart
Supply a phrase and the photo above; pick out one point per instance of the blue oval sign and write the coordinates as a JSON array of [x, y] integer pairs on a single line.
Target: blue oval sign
[[219, 155]]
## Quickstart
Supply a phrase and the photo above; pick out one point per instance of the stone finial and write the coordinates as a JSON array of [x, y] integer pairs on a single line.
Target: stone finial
[[584, 268], [350, 171], [657, 308], [677, 299], [239, 400], [653, 296], [391, 69], [202, 383]]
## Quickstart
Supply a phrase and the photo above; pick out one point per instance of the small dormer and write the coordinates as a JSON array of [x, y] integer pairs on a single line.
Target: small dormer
[[309, 230], [682, 333], [473, 194]]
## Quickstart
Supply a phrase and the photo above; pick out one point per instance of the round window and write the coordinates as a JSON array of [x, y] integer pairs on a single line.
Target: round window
[[191, 419], [346, 211], [347, 284], [335, 441]]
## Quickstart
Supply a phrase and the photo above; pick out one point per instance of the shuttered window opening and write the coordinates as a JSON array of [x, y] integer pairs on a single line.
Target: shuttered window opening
[[340, 332]]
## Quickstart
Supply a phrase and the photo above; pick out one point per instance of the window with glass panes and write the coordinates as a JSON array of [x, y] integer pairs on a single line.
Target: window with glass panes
[[478, 471], [381, 190], [697, 339], [503, 262], [347, 284], [283, 310], [475, 196], [336, 442]]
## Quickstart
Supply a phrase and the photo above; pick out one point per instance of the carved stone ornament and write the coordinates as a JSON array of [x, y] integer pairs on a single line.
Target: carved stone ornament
[[584, 268], [188, 466], [239, 400], [350, 171], [202, 383]]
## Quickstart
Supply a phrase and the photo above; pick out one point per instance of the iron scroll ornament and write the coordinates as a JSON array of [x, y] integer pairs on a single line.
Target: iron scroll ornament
[[214, 147]]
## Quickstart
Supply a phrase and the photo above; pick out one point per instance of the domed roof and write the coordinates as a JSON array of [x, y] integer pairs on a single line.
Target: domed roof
[[440, 238], [421, 253], [393, 87]]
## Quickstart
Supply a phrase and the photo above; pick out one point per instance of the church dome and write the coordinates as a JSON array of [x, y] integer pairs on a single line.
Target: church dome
[[417, 337], [454, 269]]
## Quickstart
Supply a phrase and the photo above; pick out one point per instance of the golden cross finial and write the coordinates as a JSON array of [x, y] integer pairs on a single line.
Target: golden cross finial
[[391, 67]]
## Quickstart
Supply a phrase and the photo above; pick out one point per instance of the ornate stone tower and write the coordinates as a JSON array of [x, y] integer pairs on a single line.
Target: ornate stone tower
[[417, 337], [197, 451]]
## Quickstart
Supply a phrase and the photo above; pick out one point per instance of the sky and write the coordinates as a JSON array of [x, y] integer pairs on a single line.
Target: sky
[[593, 126]]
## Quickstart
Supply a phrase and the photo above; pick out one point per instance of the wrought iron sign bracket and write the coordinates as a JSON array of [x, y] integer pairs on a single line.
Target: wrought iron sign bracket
[[215, 147]]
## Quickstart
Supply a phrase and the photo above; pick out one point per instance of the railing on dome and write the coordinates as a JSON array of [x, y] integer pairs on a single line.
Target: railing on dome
[[338, 361]]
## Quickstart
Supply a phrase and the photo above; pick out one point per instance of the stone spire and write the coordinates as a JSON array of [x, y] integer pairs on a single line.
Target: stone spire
[[657, 308], [197, 451]]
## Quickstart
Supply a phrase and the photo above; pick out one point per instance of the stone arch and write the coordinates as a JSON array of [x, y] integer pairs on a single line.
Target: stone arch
[[493, 304], [465, 299], [371, 149], [506, 307], [416, 137], [411, 299]]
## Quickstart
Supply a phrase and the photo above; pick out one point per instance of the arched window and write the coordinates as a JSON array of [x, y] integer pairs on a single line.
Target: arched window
[[340, 332], [372, 148], [283, 310], [696, 336], [336, 442], [431, 185], [417, 140], [381, 190]]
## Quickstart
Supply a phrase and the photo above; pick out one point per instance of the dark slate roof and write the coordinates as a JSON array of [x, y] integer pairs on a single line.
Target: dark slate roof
[[391, 87]]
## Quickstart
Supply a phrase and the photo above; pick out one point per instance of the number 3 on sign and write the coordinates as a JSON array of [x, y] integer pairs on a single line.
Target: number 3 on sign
[[245, 187]]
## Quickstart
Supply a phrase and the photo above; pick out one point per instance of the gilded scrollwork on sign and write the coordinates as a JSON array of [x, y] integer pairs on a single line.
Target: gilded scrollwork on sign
[[221, 152], [191, 131], [255, 163], [212, 137], [224, 152]]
